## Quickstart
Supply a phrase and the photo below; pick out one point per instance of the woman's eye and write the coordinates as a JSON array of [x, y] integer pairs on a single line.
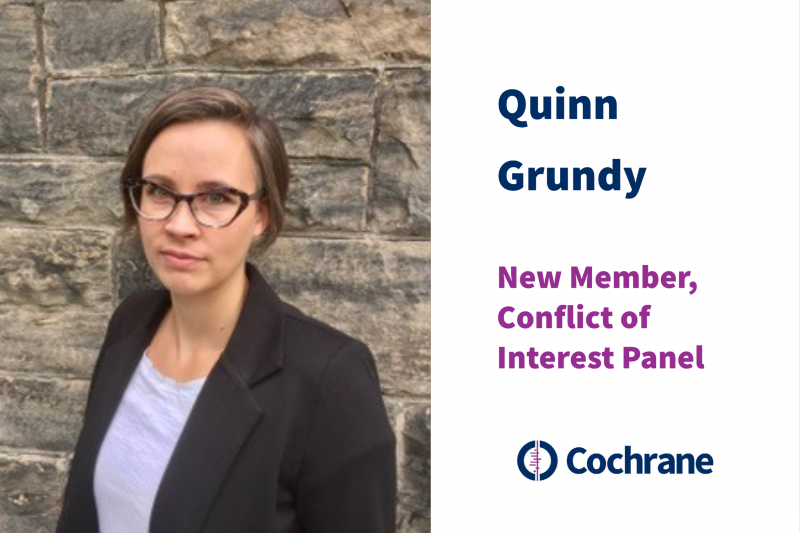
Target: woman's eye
[[156, 192], [218, 198]]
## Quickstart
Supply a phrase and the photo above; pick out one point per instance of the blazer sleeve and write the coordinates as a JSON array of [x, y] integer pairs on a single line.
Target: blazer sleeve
[[347, 481]]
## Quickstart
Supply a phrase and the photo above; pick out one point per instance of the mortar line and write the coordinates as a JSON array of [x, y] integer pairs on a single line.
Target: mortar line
[[41, 81], [162, 30], [369, 212]]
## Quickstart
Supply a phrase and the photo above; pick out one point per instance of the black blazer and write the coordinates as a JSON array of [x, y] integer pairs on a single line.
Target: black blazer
[[288, 434]]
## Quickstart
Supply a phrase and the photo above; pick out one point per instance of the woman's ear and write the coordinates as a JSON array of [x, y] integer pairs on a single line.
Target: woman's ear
[[262, 219]]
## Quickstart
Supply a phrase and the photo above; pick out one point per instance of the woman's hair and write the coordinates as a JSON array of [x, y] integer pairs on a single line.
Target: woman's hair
[[197, 104]]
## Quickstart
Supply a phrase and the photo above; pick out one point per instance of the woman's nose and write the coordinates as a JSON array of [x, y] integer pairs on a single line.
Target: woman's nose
[[182, 221]]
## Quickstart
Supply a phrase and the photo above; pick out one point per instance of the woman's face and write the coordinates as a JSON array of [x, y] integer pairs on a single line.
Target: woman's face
[[188, 258]]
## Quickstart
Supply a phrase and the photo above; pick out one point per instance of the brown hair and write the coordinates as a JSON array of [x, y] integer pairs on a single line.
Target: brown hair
[[197, 104]]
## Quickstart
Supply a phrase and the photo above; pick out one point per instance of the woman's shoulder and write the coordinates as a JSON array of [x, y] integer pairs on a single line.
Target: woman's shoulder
[[133, 315], [299, 323], [306, 343], [140, 300], [318, 343]]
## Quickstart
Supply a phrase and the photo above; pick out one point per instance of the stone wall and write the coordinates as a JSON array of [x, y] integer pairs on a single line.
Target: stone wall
[[348, 82]]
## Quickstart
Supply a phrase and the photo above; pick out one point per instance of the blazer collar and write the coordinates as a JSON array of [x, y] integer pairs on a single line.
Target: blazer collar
[[255, 349]]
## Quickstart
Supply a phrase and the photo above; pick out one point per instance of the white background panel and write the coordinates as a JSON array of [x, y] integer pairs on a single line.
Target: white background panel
[[708, 101]]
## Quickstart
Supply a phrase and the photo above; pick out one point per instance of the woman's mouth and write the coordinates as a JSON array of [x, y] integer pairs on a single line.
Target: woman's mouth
[[180, 259]]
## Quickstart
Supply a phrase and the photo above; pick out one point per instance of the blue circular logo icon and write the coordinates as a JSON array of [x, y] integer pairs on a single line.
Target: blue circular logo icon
[[532, 454]]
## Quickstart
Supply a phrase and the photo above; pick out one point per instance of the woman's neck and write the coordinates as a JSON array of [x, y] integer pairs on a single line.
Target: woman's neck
[[196, 330]]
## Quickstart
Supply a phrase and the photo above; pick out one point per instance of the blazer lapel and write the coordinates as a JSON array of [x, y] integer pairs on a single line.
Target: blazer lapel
[[223, 416], [119, 360]]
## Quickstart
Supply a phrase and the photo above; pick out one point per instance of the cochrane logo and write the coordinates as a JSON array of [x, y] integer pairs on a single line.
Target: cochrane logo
[[534, 465], [539, 468]]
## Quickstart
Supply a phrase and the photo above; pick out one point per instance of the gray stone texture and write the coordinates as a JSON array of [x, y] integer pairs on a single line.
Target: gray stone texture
[[415, 469], [107, 35], [19, 114], [321, 115], [44, 414], [325, 197], [347, 82], [54, 299], [294, 33], [402, 187], [17, 38], [56, 192], [19, 130], [30, 492]]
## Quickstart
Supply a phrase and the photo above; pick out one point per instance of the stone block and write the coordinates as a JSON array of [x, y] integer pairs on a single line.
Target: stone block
[[401, 193], [73, 193], [132, 272], [297, 33], [19, 112], [42, 414], [30, 492], [107, 35], [56, 293], [412, 520], [417, 438], [393, 31], [17, 38], [327, 197], [414, 494], [321, 115], [18, 98]]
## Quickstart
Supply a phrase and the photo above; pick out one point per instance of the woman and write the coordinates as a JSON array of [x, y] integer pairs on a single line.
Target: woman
[[214, 406]]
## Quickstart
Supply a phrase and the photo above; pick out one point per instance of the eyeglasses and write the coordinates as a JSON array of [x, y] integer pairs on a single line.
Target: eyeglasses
[[216, 208]]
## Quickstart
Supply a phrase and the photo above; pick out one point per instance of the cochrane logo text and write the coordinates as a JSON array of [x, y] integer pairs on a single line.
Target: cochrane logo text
[[535, 465]]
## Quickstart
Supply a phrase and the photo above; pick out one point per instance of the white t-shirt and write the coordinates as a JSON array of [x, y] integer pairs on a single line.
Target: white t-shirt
[[138, 446]]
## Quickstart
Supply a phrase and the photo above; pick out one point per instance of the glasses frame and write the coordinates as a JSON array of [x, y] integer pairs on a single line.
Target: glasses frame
[[177, 198]]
